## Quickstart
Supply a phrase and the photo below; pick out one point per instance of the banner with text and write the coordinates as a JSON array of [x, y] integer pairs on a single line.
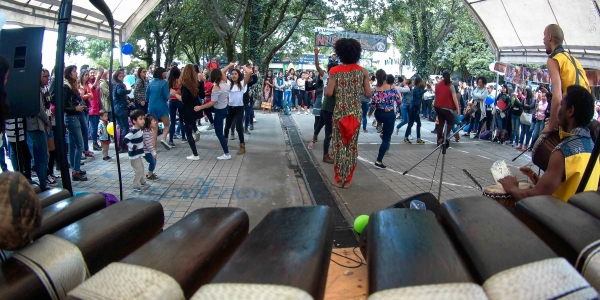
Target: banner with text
[[326, 37]]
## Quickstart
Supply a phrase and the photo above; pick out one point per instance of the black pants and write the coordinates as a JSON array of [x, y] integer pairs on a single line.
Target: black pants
[[319, 124], [445, 117], [23, 158], [209, 114], [413, 116], [327, 119], [235, 116], [191, 127]]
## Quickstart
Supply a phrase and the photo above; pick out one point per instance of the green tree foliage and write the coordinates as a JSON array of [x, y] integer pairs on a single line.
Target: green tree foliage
[[74, 45], [227, 18], [465, 50]]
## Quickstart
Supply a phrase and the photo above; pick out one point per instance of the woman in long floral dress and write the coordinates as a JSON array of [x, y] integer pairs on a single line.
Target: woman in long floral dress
[[347, 82]]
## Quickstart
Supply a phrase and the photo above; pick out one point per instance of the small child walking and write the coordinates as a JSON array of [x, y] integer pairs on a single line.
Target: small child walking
[[149, 150], [103, 134], [135, 145]]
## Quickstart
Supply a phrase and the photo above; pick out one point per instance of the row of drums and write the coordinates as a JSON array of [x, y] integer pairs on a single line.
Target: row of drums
[[467, 248]]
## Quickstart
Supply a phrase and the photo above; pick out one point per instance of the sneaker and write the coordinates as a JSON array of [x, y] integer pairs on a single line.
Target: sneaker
[[252, 126], [254, 120], [433, 131], [152, 177], [81, 163], [96, 147], [410, 137], [162, 142], [232, 137], [54, 176], [89, 154], [82, 172], [327, 159], [519, 147], [298, 112], [246, 131], [379, 165], [50, 181], [420, 142], [184, 141], [310, 145], [306, 112], [78, 177], [193, 157], [225, 156], [171, 144], [197, 136], [107, 158], [145, 185], [84, 157], [407, 141], [138, 190]]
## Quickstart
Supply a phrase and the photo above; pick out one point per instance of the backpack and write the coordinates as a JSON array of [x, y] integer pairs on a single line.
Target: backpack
[[110, 199], [486, 135]]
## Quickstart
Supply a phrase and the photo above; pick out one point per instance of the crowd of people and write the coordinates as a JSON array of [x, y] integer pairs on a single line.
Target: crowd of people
[[173, 102]]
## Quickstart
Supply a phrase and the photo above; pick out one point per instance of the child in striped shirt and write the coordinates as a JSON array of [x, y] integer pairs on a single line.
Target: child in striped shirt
[[135, 145], [149, 151]]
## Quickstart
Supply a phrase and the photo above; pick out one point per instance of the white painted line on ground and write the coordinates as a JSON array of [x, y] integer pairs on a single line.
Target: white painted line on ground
[[459, 150], [418, 177], [484, 157]]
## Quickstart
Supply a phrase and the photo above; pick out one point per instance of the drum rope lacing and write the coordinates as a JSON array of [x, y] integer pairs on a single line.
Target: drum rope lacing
[[588, 264], [58, 264]]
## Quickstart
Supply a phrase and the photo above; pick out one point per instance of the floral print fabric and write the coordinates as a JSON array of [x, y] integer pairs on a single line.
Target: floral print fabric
[[385, 100]]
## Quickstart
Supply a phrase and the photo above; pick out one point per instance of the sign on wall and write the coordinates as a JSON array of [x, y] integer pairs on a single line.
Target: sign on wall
[[326, 37]]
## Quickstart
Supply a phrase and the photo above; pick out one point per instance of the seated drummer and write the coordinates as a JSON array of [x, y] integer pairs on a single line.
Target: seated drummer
[[569, 159]]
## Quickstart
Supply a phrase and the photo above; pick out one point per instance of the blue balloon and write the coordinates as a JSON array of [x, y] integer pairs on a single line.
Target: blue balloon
[[489, 100], [127, 49]]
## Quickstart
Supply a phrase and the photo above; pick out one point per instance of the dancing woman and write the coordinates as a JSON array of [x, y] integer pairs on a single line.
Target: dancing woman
[[267, 91], [347, 82], [235, 115], [191, 91]]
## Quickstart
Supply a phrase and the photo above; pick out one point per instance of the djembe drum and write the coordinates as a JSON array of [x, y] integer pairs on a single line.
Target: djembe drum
[[498, 193]]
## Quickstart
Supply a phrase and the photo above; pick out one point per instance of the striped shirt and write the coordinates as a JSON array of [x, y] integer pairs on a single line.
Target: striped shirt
[[135, 143], [149, 142], [10, 130]]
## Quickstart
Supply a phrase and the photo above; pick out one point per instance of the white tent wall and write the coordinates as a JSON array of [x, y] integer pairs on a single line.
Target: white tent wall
[[515, 28], [86, 19]]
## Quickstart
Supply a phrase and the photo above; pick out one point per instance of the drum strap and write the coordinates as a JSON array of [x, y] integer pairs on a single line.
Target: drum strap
[[57, 263], [588, 264]]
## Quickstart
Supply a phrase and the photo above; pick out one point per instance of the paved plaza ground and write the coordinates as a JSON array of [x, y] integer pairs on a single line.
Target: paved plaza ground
[[268, 176]]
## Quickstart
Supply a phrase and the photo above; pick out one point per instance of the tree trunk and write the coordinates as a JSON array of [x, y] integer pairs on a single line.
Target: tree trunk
[[246, 33], [228, 44]]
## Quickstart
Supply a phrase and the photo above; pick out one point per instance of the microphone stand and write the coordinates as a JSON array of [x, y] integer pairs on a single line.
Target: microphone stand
[[443, 146], [64, 18]]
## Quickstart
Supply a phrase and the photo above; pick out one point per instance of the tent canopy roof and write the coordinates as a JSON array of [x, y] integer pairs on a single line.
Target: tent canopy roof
[[515, 28], [86, 19]]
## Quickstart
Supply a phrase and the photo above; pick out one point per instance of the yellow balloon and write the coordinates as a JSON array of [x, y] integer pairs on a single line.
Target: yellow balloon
[[110, 128]]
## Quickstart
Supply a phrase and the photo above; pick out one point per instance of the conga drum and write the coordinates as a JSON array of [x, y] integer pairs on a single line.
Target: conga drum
[[543, 147], [498, 193]]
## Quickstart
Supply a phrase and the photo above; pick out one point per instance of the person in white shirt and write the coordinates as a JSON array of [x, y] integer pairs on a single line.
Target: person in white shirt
[[237, 88], [302, 96]]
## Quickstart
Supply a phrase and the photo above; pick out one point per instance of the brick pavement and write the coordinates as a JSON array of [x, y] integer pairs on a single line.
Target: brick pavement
[[474, 155]]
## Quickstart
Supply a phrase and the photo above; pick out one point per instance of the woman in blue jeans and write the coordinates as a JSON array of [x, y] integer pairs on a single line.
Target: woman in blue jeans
[[382, 103], [220, 93], [175, 105], [121, 112], [73, 106], [364, 102], [528, 106]]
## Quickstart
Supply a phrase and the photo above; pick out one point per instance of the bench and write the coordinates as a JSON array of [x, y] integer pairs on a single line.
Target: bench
[[569, 231], [191, 252], [103, 237], [52, 196], [588, 202], [290, 247], [410, 248], [507, 258], [67, 211]]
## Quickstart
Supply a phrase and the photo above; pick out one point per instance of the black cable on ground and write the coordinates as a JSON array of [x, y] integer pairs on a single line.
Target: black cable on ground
[[360, 261]]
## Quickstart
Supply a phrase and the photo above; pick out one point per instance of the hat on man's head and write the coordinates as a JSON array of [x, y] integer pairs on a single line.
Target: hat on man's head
[[174, 64]]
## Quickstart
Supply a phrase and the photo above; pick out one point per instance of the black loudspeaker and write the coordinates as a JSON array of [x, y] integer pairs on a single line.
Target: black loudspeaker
[[22, 48]]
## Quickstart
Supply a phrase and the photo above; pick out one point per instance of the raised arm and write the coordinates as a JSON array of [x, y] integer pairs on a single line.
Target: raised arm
[[321, 72], [248, 73], [224, 71]]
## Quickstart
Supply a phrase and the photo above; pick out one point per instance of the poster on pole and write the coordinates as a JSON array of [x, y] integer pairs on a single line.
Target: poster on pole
[[326, 37]]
